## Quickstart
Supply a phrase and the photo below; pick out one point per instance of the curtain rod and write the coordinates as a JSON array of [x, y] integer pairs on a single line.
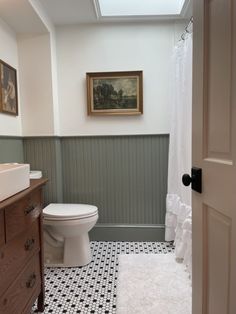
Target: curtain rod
[[186, 30]]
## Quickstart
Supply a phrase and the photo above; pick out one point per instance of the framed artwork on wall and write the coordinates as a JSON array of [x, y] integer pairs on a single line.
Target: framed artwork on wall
[[115, 93], [8, 89]]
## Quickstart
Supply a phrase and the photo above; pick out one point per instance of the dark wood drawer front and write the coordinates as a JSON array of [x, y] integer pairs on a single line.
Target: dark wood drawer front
[[2, 229], [19, 217], [15, 299], [15, 254]]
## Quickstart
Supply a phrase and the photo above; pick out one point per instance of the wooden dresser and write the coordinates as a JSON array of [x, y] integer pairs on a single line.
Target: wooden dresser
[[21, 251]]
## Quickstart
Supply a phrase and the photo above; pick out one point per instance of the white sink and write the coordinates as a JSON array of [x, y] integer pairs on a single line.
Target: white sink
[[13, 179]]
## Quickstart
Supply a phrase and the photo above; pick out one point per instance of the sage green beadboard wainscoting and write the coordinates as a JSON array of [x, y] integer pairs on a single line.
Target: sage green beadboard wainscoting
[[125, 176], [11, 149], [44, 153]]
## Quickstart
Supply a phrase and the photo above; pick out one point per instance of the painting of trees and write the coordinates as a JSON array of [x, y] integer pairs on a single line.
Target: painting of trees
[[115, 93], [109, 94]]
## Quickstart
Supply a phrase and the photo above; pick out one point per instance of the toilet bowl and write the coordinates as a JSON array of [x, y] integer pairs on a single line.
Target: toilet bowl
[[66, 239]]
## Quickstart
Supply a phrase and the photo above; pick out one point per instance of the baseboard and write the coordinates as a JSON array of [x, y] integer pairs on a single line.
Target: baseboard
[[114, 232]]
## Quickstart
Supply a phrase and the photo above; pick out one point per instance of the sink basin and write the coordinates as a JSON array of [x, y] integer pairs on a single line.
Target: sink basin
[[13, 179]]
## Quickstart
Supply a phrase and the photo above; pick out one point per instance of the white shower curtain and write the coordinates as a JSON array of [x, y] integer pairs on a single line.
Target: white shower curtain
[[178, 201]]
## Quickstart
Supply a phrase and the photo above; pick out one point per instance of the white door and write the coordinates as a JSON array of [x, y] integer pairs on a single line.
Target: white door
[[214, 150]]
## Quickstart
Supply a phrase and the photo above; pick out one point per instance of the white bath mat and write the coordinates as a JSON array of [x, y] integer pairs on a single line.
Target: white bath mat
[[153, 284]]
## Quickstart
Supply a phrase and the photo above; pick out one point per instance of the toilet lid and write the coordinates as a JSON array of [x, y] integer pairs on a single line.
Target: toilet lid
[[69, 211]]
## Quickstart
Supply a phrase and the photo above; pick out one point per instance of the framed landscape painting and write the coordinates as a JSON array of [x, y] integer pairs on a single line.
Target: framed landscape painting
[[115, 93], [8, 89]]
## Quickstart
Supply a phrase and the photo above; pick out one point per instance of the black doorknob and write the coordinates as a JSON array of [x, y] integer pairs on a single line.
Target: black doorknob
[[195, 180], [186, 179]]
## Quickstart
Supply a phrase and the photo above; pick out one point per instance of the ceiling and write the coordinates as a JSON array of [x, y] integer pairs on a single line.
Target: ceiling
[[21, 15], [64, 12]]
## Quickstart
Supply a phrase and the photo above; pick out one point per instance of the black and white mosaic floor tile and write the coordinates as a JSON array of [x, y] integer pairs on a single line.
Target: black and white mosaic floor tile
[[92, 288]]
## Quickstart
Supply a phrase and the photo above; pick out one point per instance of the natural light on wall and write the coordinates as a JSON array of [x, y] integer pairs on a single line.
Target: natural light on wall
[[140, 7]]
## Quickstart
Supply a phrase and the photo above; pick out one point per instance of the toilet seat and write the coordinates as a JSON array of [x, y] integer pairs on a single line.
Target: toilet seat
[[69, 211]]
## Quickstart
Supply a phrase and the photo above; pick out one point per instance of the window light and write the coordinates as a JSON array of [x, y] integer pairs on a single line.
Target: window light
[[119, 8]]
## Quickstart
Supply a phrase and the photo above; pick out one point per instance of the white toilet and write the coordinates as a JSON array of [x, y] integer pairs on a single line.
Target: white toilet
[[66, 239]]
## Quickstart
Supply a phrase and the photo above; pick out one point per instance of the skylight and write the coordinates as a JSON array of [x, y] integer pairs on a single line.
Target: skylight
[[119, 8]]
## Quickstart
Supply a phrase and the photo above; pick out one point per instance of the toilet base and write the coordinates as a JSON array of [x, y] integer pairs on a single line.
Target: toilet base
[[77, 251], [72, 252]]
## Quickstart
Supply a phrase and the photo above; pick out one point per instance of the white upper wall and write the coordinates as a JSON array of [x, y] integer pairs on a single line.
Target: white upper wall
[[53, 57], [115, 47], [37, 60], [9, 125], [80, 49], [33, 39], [36, 85]]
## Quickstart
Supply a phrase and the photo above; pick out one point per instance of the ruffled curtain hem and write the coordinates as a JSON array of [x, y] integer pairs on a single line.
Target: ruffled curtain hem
[[179, 229]]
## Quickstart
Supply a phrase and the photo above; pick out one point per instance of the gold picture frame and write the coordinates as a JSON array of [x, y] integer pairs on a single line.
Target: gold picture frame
[[115, 93], [8, 89]]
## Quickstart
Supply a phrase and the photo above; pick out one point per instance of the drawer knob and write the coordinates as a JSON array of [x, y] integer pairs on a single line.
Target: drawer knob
[[29, 209], [29, 244], [31, 281]]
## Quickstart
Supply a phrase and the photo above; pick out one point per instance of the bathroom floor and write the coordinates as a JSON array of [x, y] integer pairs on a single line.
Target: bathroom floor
[[92, 288]]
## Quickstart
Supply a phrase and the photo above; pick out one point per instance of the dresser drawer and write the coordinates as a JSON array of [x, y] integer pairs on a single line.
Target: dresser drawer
[[2, 229], [15, 254], [27, 284], [19, 216]]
